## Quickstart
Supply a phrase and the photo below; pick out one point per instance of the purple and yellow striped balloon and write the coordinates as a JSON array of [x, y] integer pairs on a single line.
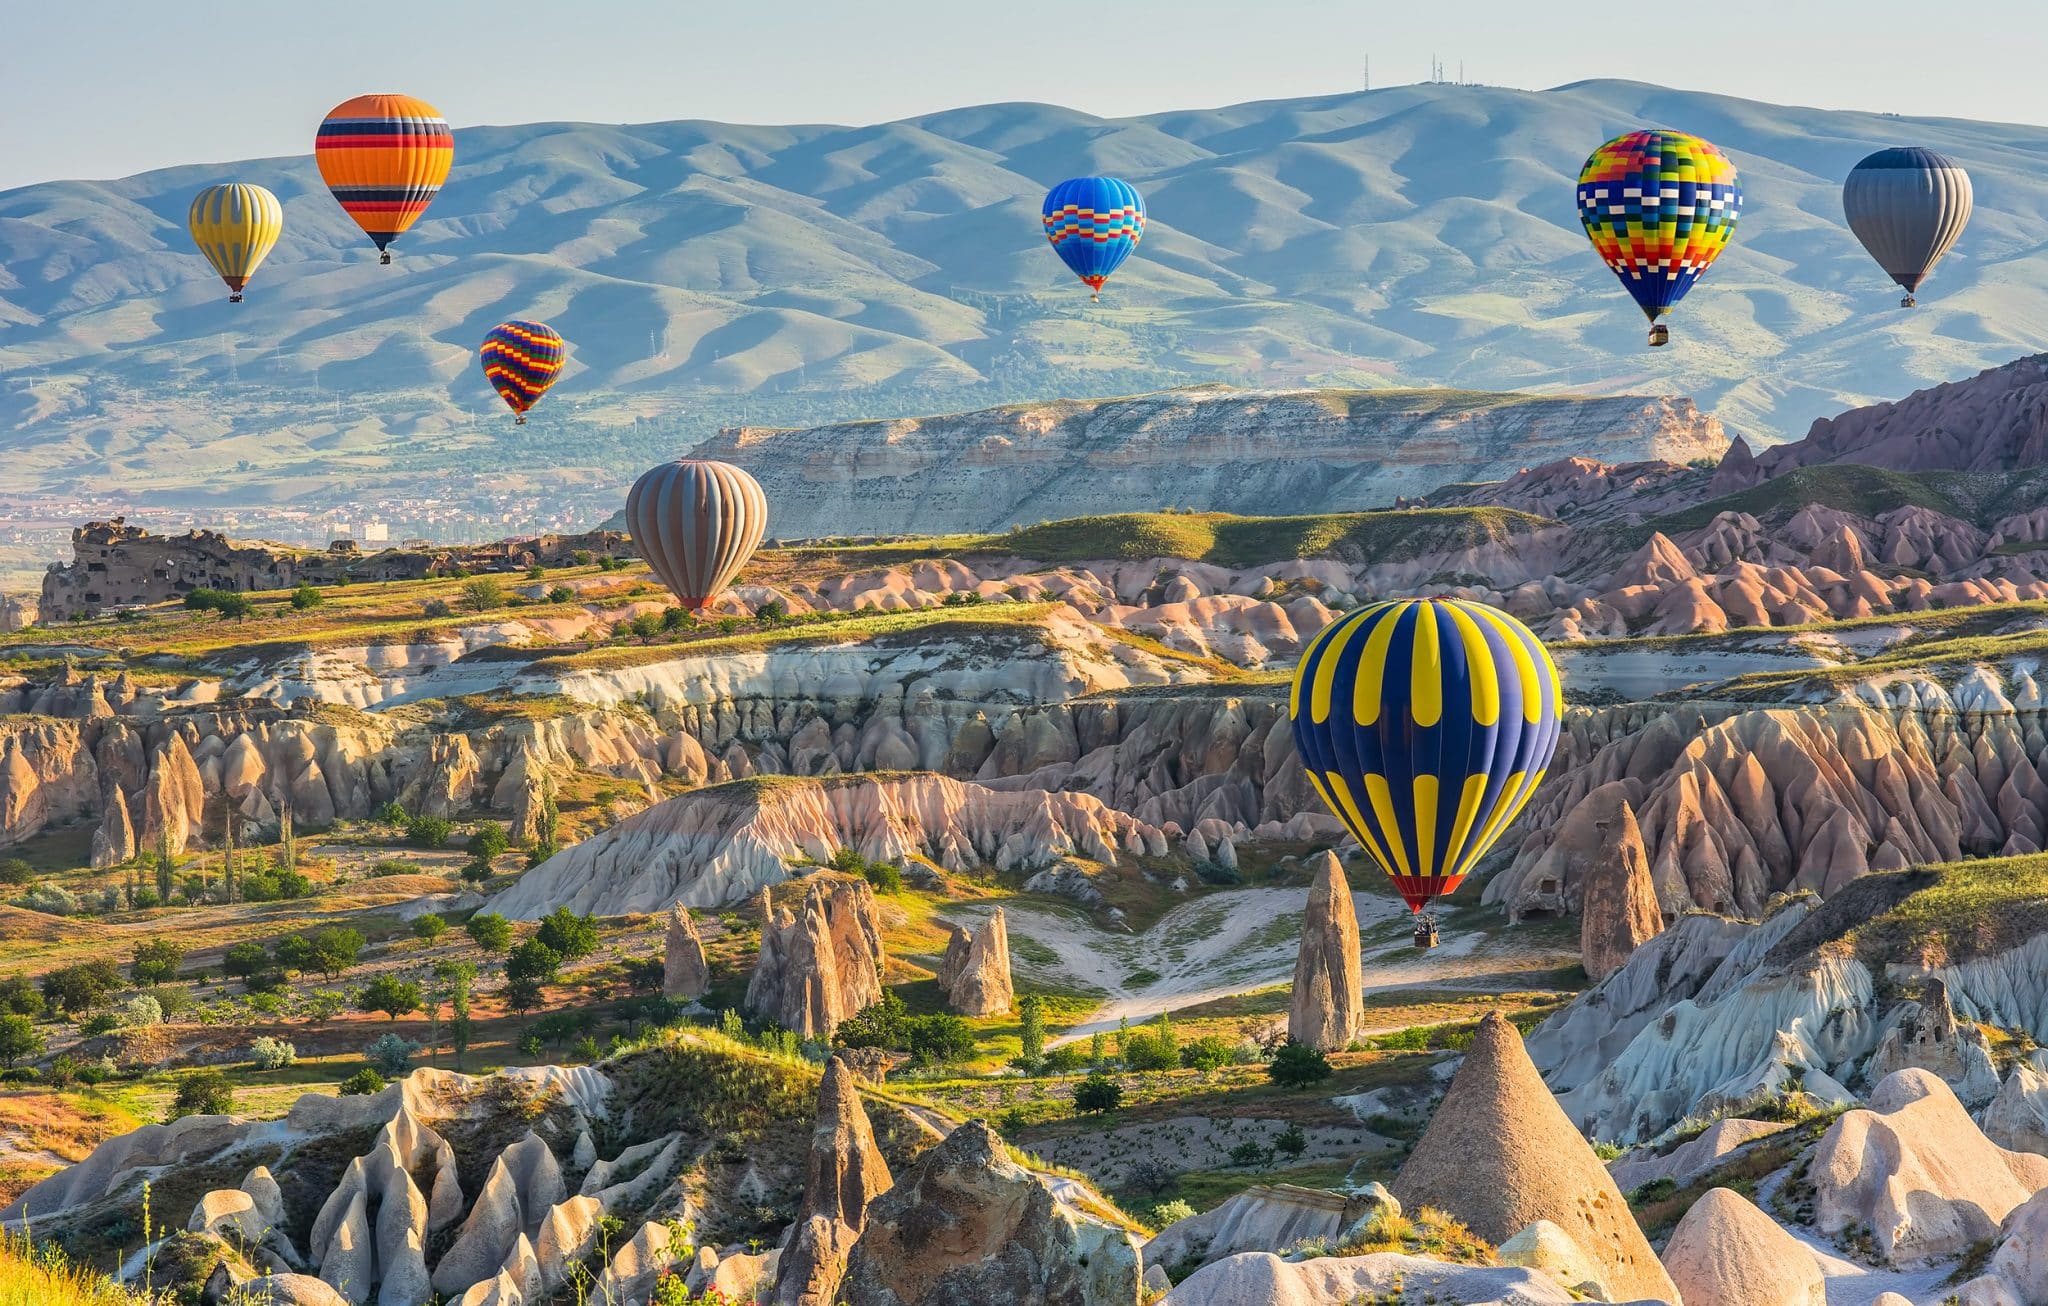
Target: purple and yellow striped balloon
[[521, 360]]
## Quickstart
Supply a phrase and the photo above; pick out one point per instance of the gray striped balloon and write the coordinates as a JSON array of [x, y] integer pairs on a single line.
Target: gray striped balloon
[[696, 522], [1907, 205]]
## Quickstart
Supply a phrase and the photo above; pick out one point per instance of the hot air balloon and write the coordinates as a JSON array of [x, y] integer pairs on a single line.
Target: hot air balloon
[[521, 360], [1660, 206], [696, 522], [1424, 725], [235, 225], [384, 157], [1094, 223], [1907, 206]]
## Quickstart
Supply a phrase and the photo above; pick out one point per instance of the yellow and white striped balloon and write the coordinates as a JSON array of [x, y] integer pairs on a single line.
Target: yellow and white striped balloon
[[235, 225]]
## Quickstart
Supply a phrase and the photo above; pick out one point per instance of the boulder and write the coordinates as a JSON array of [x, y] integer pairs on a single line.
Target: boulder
[[2017, 1118], [686, 974], [844, 1173], [289, 1290], [975, 972], [1263, 1279], [967, 1224], [1550, 1251], [230, 1214], [1726, 1252], [1619, 911], [1500, 1154], [1262, 1218], [1915, 1171], [1325, 1011]]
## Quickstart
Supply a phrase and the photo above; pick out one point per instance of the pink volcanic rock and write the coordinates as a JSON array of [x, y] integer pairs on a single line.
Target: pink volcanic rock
[[1995, 421], [1658, 563]]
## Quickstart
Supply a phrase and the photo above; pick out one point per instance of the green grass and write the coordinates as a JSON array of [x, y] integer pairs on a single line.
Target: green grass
[[36, 1273], [1971, 909], [925, 624], [1233, 541], [1865, 491]]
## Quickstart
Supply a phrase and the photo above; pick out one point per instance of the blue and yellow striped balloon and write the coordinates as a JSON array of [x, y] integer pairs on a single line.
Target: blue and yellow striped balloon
[[1425, 725]]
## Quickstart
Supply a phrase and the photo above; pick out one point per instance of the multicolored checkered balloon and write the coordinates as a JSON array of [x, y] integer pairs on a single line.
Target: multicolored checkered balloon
[[1659, 206]]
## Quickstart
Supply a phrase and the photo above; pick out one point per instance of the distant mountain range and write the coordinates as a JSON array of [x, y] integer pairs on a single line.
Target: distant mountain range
[[709, 275]]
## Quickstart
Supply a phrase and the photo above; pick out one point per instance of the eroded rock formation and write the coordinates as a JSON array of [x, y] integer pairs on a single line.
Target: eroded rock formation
[[685, 972], [821, 956], [975, 971], [1619, 912], [1325, 1009], [846, 1171]]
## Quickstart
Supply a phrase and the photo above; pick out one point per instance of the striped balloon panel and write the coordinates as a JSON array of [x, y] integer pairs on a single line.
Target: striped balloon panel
[[521, 360], [1908, 206], [1425, 725], [1094, 223], [385, 157], [1659, 207], [235, 226], [696, 522]]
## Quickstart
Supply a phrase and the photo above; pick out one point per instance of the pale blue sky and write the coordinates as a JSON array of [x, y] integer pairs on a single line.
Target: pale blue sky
[[104, 88]]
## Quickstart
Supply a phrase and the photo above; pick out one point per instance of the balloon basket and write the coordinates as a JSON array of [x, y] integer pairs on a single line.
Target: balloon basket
[[521, 421], [386, 259], [1425, 933], [1907, 302], [234, 299], [1660, 335]]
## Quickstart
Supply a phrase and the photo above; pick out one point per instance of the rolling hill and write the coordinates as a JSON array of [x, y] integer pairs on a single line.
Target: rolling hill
[[709, 275]]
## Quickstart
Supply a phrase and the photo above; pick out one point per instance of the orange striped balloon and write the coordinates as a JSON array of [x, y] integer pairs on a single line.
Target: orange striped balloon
[[385, 158]]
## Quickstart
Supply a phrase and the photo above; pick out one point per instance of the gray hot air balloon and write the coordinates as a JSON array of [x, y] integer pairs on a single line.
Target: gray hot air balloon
[[696, 522], [1907, 205]]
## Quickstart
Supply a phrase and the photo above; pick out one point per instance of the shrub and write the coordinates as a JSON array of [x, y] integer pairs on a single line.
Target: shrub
[[98, 1023], [885, 877], [1098, 1093], [361, 1084], [389, 866], [561, 594], [1297, 1065], [18, 997], [141, 1012], [50, 900], [1171, 1213], [225, 602], [1249, 1152], [436, 608], [429, 927], [569, 935], [428, 831], [490, 931], [530, 1045], [15, 872], [939, 1040], [488, 842], [207, 1093], [389, 1055], [305, 596], [156, 961], [1292, 1142], [271, 885], [482, 593], [536, 571], [173, 1000], [587, 1049], [80, 987], [271, 1053], [877, 1025], [1210, 1052], [1066, 1059]]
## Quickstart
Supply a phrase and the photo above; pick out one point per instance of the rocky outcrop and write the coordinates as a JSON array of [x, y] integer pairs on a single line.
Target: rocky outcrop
[[2019, 1266], [1263, 1279], [975, 971], [720, 846], [1916, 1172], [1263, 1218], [1619, 911], [525, 1181], [2017, 1118], [1994, 421], [685, 972], [845, 1172], [821, 958], [1689, 1160], [1726, 1252], [1325, 1009], [1500, 1154], [968, 1224], [1926, 1035]]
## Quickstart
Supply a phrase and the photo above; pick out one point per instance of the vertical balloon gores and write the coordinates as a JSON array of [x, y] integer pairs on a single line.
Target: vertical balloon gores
[[385, 157], [235, 225], [696, 522], [1659, 207], [1094, 223], [1424, 726], [1908, 206]]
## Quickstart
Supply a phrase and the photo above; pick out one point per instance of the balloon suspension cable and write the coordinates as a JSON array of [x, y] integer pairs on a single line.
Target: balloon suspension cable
[[386, 260], [1660, 335]]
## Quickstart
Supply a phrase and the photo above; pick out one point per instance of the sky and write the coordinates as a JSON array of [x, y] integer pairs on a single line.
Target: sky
[[106, 88]]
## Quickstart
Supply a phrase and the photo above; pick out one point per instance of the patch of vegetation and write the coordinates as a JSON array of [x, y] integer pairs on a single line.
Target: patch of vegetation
[[1957, 911], [1850, 487], [1233, 541]]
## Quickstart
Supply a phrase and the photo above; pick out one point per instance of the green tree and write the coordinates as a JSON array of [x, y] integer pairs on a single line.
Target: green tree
[[295, 952], [166, 864], [482, 593], [305, 596], [81, 986], [1297, 1065], [19, 1038], [490, 931], [1210, 1052], [456, 978], [1098, 1093], [1293, 1142], [207, 1093], [156, 961], [1031, 1028], [570, 935], [548, 841], [335, 949], [363, 1083], [533, 960], [18, 997], [488, 843], [428, 831], [389, 994], [16, 873], [524, 995], [241, 960], [940, 1040], [428, 927], [287, 838], [880, 1024]]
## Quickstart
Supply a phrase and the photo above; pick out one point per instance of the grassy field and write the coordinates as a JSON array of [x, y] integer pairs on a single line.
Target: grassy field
[[1972, 909], [32, 1275]]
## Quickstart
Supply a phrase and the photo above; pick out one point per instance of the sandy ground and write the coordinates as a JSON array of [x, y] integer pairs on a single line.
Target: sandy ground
[[1637, 673]]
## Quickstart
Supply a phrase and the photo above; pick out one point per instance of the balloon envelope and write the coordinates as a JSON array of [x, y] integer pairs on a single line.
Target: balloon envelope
[[1094, 223], [235, 225], [385, 158], [1907, 206], [521, 360], [1425, 725], [696, 522], [1659, 207]]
